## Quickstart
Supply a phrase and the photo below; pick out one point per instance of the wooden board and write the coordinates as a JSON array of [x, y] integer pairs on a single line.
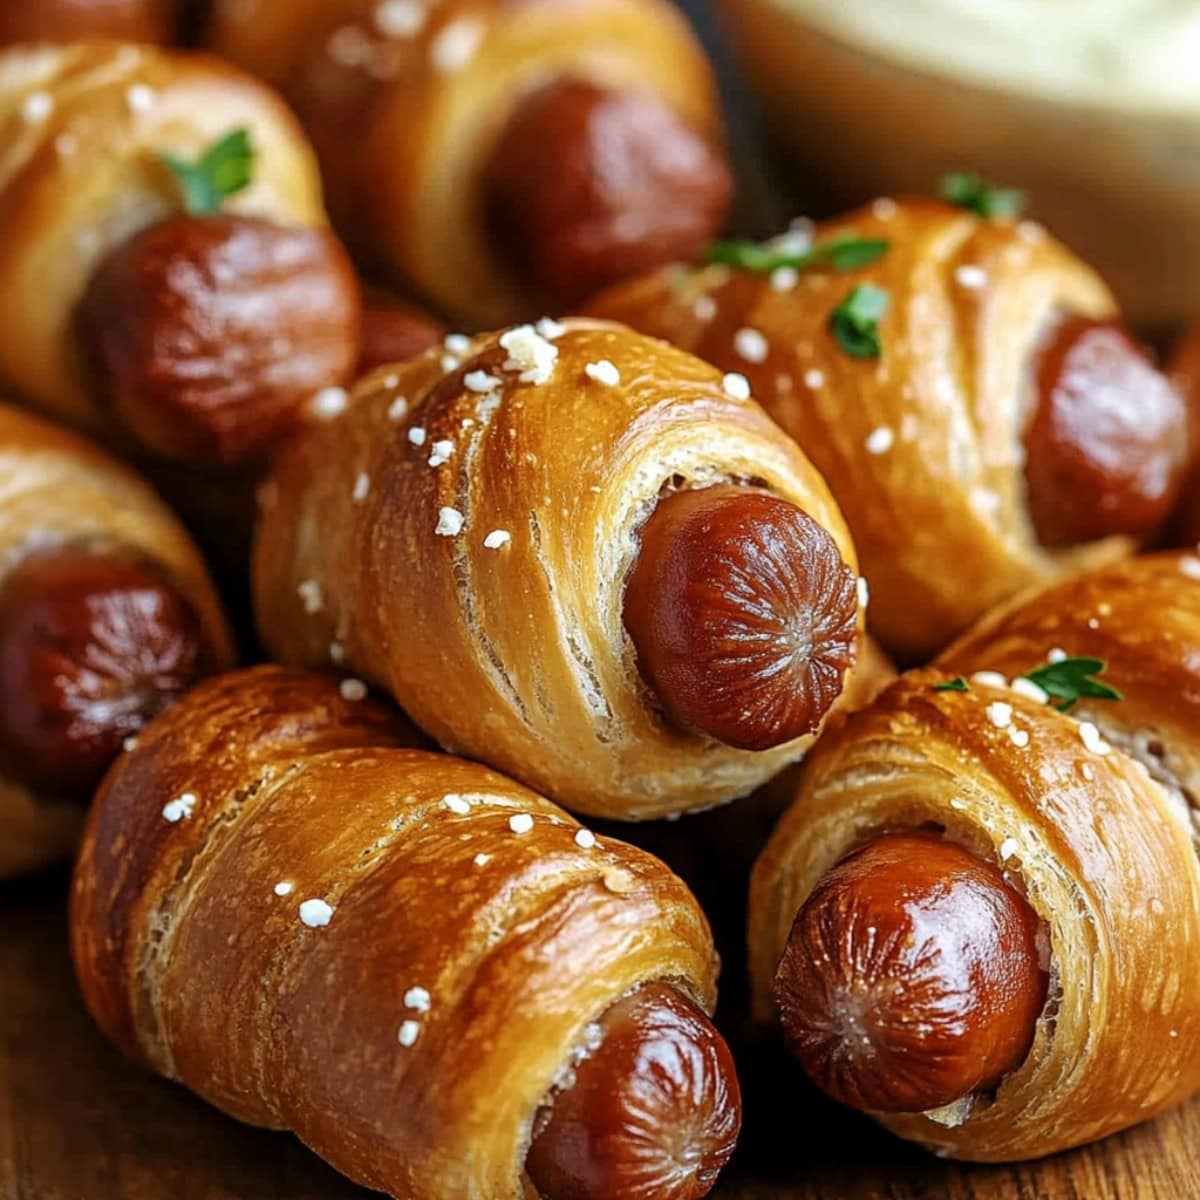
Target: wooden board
[[79, 1123]]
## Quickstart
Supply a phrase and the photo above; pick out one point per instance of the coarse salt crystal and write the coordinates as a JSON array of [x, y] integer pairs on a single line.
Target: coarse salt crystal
[[496, 539], [130, 743], [451, 362], [1000, 714], [457, 343], [450, 522], [991, 679], [1008, 848], [585, 839], [398, 409], [1018, 737], [1092, 739], [455, 44], [814, 378], [880, 440], [362, 486], [37, 107], [315, 913], [603, 372], [399, 18], [309, 591], [337, 652], [783, 279], [704, 308], [285, 887], [179, 808], [864, 591], [330, 402], [550, 329], [480, 381], [737, 386], [417, 435], [409, 1032], [520, 823], [482, 860], [530, 353], [1057, 655], [751, 345], [353, 690], [457, 805], [441, 452], [140, 97], [971, 277], [1030, 690], [418, 999]]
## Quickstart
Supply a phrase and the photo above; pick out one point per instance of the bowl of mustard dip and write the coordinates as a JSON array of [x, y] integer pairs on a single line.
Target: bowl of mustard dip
[[1091, 106]]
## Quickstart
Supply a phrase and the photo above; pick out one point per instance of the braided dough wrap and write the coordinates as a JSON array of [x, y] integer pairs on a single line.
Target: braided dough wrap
[[194, 964], [517, 655], [56, 490], [81, 127], [1101, 842], [939, 517], [405, 121]]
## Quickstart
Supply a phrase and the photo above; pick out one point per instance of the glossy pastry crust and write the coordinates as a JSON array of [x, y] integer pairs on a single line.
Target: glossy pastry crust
[[1103, 844], [520, 939], [82, 126], [406, 119], [503, 637], [936, 501], [58, 491]]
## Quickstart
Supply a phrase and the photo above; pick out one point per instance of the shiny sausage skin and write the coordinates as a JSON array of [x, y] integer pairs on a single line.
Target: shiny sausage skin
[[394, 331], [210, 335], [911, 977], [652, 1112], [743, 615], [91, 647], [1107, 444], [589, 185]]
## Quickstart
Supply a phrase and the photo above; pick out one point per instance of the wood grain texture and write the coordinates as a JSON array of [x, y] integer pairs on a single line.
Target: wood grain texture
[[79, 1123]]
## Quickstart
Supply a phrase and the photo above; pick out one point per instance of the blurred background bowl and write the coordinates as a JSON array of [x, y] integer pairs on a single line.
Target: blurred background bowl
[[1110, 158]]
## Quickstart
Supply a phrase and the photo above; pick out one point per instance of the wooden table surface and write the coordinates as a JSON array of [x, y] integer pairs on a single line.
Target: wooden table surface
[[79, 1123]]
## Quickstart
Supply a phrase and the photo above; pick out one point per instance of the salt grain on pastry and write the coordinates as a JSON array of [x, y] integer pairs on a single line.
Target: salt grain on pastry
[[315, 913], [603, 372], [751, 345], [450, 522], [180, 808], [735, 385], [353, 690], [496, 539], [520, 823]]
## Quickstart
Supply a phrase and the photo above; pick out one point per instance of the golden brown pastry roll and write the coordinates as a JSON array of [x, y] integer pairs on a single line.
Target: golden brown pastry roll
[[500, 159], [169, 283], [106, 615], [980, 919], [435, 978], [962, 384], [574, 553]]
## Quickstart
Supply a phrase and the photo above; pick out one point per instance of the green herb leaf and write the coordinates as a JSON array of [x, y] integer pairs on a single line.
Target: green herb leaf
[[223, 170], [974, 193], [1071, 680], [844, 253], [855, 322], [952, 685]]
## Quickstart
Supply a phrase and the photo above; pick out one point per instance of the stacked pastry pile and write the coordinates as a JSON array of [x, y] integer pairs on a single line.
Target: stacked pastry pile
[[620, 564]]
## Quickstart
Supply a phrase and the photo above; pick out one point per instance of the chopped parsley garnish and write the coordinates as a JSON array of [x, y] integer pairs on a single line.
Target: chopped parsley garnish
[[844, 253], [223, 170], [855, 322], [1072, 679], [958, 684], [968, 190]]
